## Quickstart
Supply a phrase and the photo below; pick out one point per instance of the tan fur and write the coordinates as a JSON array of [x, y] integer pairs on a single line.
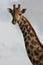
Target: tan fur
[[33, 46]]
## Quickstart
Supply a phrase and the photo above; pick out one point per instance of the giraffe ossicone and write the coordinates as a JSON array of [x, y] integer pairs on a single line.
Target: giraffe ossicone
[[33, 45]]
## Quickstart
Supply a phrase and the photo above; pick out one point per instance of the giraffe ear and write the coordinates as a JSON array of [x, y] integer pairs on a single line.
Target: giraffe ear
[[10, 10], [23, 10]]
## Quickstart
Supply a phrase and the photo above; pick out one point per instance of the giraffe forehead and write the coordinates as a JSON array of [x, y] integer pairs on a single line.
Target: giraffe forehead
[[17, 11]]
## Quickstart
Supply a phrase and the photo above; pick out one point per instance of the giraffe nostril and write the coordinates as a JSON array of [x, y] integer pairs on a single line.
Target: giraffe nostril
[[14, 19]]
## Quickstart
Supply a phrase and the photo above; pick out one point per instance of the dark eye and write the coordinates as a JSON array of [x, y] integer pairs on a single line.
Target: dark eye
[[20, 14]]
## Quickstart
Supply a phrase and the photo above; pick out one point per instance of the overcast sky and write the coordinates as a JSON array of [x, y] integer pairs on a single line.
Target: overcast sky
[[12, 48]]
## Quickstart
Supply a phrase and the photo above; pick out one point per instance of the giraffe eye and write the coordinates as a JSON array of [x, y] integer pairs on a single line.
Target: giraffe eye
[[20, 14]]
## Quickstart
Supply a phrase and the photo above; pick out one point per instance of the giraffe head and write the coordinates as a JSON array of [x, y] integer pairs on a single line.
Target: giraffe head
[[16, 13]]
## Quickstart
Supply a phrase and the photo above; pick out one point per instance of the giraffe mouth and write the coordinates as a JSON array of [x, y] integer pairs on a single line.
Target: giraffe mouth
[[14, 21]]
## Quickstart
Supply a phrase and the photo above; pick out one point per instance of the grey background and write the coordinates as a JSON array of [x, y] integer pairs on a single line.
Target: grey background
[[12, 48]]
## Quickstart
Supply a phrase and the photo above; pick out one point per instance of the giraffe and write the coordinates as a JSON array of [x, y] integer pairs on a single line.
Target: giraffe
[[33, 46]]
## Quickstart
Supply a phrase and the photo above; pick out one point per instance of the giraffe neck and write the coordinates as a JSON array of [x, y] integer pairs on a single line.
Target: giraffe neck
[[32, 43]]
